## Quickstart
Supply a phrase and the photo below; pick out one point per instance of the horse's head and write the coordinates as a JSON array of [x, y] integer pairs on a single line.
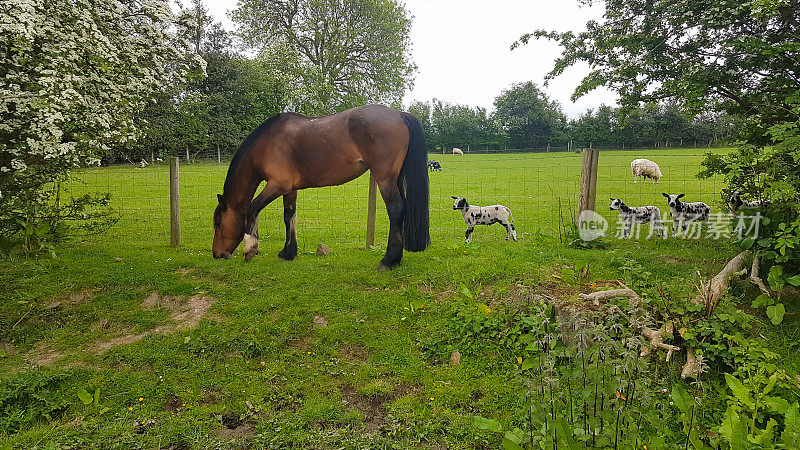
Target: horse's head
[[228, 229]]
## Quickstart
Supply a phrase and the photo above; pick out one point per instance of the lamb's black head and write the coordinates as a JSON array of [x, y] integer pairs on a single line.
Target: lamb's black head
[[673, 200], [735, 201], [460, 203]]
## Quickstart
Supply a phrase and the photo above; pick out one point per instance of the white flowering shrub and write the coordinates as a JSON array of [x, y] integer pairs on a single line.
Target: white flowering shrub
[[72, 75]]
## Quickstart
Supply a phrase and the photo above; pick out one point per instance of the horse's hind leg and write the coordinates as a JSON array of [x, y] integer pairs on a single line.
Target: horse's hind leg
[[394, 207], [289, 251]]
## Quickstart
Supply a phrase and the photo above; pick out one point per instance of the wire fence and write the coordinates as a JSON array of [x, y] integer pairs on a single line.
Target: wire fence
[[540, 189]]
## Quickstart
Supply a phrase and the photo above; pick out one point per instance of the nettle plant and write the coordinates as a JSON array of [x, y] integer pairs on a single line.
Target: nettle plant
[[603, 396]]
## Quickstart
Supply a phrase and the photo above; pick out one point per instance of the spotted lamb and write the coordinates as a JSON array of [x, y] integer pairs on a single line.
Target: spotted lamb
[[630, 215], [736, 202], [646, 169], [685, 213], [434, 165], [485, 215]]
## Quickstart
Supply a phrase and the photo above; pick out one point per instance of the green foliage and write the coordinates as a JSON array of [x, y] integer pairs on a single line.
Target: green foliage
[[752, 419], [74, 75], [447, 126], [31, 397], [530, 118], [351, 53]]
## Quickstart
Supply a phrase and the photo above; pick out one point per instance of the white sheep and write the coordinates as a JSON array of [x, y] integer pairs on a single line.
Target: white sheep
[[457, 151], [646, 169]]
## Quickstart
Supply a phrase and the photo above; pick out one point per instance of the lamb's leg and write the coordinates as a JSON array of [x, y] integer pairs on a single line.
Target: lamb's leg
[[468, 234], [508, 230]]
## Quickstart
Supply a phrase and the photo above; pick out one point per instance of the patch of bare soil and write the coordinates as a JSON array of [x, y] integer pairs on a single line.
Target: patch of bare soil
[[74, 298], [7, 348], [303, 343], [242, 431], [371, 406], [173, 404], [211, 396], [43, 355], [235, 427], [354, 352], [184, 315]]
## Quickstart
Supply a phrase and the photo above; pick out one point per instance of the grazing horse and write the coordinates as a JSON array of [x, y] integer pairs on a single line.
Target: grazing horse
[[291, 152]]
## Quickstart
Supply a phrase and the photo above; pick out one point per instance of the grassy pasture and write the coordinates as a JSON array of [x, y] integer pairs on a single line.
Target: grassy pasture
[[257, 370], [530, 184]]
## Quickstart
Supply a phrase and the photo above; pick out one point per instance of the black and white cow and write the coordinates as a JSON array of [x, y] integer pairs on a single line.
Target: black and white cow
[[485, 215], [685, 213], [434, 165], [630, 215], [736, 202]]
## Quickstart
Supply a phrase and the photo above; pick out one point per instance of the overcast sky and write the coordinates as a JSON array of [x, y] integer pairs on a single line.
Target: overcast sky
[[461, 48]]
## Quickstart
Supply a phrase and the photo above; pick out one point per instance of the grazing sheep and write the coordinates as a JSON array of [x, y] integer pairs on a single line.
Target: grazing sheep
[[736, 202], [646, 169], [142, 164], [434, 165], [686, 212], [638, 214], [485, 215], [457, 151]]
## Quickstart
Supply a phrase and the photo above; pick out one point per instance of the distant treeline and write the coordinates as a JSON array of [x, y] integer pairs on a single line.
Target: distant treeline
[[524, 118], [215, 113]]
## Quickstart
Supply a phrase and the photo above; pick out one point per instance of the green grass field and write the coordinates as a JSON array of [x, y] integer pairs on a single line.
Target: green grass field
[[115, 315], [530, 184]]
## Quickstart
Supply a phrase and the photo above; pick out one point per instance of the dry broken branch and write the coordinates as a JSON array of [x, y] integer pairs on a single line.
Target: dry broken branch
[[692, 368], [719, 284], [755, 279], [597, 297], [656, 338]]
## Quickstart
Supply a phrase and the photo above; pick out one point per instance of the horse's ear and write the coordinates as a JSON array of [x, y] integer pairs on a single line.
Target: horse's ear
[[219, 198]]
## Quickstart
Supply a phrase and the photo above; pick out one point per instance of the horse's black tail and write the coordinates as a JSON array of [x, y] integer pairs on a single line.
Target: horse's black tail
[[413, 184]]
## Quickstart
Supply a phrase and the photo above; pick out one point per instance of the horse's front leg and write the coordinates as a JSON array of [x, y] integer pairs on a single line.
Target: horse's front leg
[[289, 251], [267, 195]]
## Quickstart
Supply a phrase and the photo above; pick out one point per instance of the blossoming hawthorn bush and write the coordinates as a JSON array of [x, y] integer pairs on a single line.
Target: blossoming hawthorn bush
[[74, 73]]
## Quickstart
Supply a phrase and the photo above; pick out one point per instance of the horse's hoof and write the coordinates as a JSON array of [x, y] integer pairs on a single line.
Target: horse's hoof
[[286, 256], [383, 267]]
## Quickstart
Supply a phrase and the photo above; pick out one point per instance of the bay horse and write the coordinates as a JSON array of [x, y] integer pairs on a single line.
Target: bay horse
[[291, 152]]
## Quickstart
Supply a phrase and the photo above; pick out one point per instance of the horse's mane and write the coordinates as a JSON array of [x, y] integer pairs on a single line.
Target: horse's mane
[[243, 150]]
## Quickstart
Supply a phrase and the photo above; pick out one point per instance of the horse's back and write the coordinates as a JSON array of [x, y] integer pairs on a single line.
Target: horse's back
[[335, 149]]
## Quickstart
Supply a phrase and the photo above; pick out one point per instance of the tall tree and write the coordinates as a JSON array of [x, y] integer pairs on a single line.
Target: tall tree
[[529, 117], [352, 52]]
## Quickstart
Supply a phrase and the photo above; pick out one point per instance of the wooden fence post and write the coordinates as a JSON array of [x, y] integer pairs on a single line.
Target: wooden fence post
[[174, 204], [588, 186], [371, 208]]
